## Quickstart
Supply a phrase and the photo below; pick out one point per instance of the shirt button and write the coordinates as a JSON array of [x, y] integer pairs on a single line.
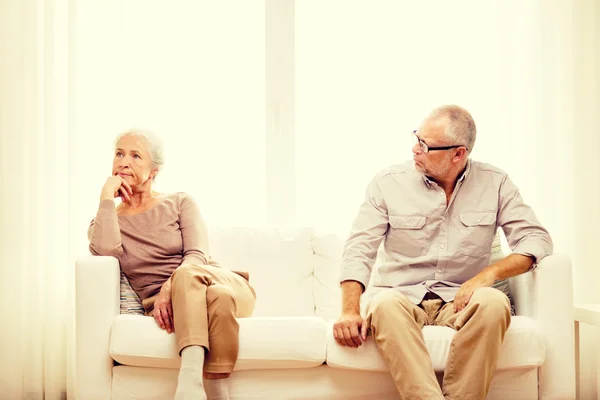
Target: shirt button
[[439, 271], [442, 246]]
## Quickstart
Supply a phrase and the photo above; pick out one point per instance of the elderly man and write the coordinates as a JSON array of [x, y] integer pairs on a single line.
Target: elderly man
[[437, 217]]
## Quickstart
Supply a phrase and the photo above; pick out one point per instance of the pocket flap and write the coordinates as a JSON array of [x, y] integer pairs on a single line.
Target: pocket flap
[[413, 221], [477, 218]]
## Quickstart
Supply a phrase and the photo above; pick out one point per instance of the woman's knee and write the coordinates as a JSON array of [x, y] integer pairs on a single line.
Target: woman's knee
[[219, 298], [186, 273], [183, 272]]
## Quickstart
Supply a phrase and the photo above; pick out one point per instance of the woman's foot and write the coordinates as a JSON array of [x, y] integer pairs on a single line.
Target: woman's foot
[[189, 382], [216, 386]]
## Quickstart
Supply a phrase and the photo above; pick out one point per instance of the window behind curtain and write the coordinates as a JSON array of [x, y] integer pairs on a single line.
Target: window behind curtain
[[191, 71], [367, 74]]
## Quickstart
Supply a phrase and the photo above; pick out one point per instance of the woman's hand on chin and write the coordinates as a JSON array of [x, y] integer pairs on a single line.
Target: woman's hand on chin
[[115, 186]]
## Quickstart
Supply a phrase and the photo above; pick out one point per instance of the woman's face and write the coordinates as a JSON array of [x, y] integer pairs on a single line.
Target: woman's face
[[132, 161]]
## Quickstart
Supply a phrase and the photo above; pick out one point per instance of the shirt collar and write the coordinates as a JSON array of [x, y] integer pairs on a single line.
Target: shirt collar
[[464, 175]]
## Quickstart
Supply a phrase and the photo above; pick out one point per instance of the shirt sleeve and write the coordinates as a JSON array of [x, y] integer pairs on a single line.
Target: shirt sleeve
[[104, 233], [368, 230], [524, 233], [194, 233]]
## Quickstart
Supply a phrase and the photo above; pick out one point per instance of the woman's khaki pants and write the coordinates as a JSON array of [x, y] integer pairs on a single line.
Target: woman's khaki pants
[[206, 301], [396, 323]]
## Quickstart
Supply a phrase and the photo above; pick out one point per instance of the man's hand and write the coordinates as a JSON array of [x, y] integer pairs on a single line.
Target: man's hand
[[163, 311], [350, 330], [483, 279]]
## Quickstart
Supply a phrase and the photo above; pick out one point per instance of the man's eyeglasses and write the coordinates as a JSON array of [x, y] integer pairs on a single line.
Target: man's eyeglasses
[[425, 148]]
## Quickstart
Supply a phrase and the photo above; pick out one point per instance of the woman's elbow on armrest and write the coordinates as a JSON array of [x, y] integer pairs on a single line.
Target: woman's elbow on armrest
[[106, 251]]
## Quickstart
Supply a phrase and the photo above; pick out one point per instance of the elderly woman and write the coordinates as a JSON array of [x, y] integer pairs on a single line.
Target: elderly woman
[[161, 243]]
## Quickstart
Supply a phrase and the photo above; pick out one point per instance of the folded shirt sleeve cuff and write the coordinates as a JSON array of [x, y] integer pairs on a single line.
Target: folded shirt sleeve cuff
[[356, 273], [535, 250]]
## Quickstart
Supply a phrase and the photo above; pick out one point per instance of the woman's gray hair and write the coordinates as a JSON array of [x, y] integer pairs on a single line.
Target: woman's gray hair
[[155, 145], [460, 128]]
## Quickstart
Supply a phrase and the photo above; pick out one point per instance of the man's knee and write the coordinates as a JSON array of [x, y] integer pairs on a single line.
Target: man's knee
[[388, 301], [492, 300]]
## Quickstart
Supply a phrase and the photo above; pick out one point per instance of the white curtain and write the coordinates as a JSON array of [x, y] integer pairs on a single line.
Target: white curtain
[[35, 211]]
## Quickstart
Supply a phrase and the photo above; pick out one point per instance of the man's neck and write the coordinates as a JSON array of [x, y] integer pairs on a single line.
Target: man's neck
[[448, 183]]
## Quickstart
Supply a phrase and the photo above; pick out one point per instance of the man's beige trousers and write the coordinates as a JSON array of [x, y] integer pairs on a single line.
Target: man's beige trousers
[[396, 324]]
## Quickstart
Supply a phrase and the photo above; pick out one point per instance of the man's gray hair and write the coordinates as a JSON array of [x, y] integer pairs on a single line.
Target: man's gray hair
[[154, 143], [460, 128]]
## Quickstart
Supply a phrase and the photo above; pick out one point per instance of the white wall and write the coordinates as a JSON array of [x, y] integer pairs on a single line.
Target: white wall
[[586, 178]]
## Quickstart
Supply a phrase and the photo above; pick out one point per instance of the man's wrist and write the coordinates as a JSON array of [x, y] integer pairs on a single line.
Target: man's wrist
[[492, 272], [351, 310]]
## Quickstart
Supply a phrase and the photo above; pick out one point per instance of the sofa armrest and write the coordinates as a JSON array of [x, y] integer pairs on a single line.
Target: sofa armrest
[[97, 305], [546, 295]]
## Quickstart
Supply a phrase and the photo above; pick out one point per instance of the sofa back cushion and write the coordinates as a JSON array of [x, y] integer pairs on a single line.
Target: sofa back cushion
[[280, 263], [328, 256]]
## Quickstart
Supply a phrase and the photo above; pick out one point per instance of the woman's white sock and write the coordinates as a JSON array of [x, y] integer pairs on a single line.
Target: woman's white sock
[[217, 389], [189, 383]]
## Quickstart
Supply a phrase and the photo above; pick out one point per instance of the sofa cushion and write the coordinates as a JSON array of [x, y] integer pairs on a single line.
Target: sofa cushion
[[524, 346], [130, 301], [265, 343], [280, 263]]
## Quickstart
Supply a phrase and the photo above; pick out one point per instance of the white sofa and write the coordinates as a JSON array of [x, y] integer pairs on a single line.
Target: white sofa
[[287, 350]]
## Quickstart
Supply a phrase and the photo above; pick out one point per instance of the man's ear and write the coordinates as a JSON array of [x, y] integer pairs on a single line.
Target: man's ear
[[461, 153]]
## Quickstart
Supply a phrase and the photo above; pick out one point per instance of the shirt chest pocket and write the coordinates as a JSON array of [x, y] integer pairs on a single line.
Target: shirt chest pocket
[[476, 232], [408, 234]]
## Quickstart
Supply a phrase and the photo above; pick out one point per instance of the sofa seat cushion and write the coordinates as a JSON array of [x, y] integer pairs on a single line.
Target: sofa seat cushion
[[265, 343], [524, 346]]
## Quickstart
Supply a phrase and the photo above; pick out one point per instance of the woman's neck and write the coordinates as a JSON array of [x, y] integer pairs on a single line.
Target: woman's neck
[[139, 200]]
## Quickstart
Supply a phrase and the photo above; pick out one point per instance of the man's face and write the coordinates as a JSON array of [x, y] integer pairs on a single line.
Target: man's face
[[436, 163]]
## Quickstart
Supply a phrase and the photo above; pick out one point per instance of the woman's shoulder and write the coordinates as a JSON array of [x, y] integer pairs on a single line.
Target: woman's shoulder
[[181, 199], [182, 196], [175, 196]]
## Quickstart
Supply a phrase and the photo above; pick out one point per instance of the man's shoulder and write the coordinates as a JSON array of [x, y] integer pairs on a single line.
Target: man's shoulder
[[404, 168], [487, 168]]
